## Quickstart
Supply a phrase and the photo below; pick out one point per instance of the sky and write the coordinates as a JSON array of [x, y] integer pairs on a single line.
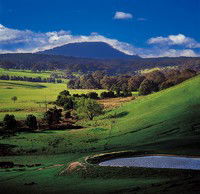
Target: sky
[[149, 28]]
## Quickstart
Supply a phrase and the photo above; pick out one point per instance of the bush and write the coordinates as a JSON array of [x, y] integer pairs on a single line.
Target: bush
[[88, 108], [31, 122], [9, 123]]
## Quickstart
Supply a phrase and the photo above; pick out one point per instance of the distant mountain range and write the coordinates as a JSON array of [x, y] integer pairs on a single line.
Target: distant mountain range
[[97, 50]]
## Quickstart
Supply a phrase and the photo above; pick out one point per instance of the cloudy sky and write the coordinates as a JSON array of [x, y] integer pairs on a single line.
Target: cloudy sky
[[149, 28]]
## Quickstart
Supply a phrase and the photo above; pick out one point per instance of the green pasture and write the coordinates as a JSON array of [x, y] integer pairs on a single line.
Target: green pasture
[[32, 97], [26, 73], [167, 122]]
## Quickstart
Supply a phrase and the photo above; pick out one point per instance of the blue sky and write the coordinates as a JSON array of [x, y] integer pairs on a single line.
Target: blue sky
[[149, 27]]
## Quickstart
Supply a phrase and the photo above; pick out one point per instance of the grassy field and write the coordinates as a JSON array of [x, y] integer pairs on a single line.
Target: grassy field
[[26, 73], [31, 97], [167, 122]]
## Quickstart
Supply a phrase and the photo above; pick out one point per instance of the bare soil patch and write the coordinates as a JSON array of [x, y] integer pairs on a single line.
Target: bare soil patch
[[115, 102]]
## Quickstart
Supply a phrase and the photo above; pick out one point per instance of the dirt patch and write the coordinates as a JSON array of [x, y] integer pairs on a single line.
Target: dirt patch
[[115, 102], [73, 167]]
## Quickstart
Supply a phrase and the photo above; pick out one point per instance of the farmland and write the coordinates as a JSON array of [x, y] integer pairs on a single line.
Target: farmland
[[166, 122], [32, 97]]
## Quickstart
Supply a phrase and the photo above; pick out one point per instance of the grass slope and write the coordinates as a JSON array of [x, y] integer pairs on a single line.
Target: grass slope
[[164, 122]]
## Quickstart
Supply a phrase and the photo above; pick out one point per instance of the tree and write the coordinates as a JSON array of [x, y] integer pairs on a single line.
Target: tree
[[92, 95], [88, 108], [65, 101], [53, 115], [147, 87], [9, 123], [134, 82], [31, 122], [156, 76], [14, 98]]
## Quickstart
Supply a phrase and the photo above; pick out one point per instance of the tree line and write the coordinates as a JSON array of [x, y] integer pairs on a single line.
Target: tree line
[[41, 62], [30, 79], [144, 83]]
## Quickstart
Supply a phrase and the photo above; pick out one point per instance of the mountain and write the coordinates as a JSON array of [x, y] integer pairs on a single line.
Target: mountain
[[99, 50]]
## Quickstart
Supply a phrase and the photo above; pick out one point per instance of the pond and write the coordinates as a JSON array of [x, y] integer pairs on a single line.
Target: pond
[[176, 162]]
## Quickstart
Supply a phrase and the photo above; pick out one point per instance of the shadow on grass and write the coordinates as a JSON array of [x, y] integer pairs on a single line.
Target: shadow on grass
[[26, 85], [6, 149], [116, 116]]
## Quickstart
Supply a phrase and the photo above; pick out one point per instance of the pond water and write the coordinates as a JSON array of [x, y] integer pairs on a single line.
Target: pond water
[[155, 162]]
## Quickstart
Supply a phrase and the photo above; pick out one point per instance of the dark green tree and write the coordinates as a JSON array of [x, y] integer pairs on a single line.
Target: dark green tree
[[31, 122], [92, 95], [53, 116], [9, 123], [14, 99], [147, 87]]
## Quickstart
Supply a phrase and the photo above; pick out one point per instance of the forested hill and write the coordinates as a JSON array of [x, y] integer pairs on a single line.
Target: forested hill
[[111, 66]]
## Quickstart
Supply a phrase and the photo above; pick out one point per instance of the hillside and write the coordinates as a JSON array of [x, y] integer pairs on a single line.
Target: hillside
[[100, 50], [169, 116], [165, 122]]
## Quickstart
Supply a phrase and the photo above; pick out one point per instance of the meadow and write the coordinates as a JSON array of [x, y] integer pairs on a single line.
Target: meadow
[[27, 73], [31, 97], [166, 122]]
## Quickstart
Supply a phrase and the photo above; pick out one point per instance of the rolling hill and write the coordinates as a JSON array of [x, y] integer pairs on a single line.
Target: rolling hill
[[167, 122], [99, 50]]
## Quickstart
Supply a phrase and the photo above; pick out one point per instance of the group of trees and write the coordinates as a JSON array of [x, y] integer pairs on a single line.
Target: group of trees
[[30, 79], [123, 85], [84, 105], [10, 124]]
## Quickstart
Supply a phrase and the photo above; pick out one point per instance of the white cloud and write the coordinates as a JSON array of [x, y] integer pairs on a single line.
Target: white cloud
[[122, 15], [33, 42], [23, 41], [180, 40], [155, 52]]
